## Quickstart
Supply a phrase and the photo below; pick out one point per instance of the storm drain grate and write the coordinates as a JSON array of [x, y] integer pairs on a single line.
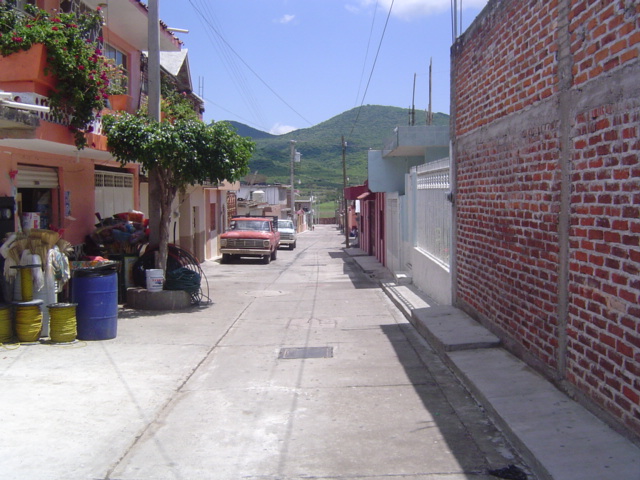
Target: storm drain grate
[[306, 352]]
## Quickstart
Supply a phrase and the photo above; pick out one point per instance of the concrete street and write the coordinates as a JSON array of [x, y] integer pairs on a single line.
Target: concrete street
[[303, 368]]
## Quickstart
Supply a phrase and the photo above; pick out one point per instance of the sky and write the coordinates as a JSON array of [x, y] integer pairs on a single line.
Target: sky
[[283, 65]]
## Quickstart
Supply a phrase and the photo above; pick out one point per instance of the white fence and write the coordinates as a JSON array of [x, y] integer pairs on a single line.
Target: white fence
[[433, 209]]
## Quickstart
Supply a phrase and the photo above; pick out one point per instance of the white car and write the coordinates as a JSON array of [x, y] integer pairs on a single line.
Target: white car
[[287, 233]]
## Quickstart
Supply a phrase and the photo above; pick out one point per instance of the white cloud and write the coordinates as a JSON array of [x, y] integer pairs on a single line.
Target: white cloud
[[280, 129], [352, 8], [410, 9], [286, 19]]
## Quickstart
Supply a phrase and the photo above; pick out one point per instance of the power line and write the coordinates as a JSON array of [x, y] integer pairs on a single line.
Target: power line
[[366, 55], [249, 68], [247, 122], [372, 69], [240, 81]]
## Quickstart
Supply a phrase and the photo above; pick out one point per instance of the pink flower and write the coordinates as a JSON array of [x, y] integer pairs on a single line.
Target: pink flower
[[17, 39], [80, 67], [54, 28]]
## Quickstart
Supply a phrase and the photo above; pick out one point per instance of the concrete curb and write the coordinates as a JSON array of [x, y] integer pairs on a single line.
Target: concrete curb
[[558, 438]]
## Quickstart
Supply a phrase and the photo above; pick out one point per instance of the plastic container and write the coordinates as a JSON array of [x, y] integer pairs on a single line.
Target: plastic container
[[155, 279], [95, 291], [30, 220]]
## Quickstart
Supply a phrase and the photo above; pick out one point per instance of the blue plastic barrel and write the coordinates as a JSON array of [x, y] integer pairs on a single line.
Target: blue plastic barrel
[[96, 293]]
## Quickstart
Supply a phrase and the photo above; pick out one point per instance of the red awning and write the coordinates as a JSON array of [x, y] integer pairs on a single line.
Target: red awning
[[352, 193]]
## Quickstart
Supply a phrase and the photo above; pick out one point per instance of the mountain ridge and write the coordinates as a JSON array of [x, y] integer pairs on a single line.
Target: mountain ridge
[[320, 169]]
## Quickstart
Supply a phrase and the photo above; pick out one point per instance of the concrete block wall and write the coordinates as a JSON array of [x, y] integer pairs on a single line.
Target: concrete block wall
[[546, 128]]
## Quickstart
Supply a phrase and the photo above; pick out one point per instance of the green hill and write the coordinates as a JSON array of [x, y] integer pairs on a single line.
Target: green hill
[[320, 169]]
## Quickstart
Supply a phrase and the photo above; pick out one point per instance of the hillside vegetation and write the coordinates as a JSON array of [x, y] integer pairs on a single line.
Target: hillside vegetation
[[320, 170]]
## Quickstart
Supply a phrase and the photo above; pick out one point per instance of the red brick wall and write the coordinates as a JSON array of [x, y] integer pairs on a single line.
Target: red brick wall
[[507, 235], [504, 68], [511, 108], [604, 325]]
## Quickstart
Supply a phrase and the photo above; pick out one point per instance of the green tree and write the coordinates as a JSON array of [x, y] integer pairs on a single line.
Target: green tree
[[180, 153]]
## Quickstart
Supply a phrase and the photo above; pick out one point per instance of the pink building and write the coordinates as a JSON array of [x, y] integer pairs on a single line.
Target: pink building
[[50, 181]]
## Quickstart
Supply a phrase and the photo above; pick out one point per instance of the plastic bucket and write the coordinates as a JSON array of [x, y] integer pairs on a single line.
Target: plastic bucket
[[155, 279], [96, 295]]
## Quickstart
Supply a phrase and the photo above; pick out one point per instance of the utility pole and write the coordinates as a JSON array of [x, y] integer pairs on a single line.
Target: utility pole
[[454, 22], [292, 205], [344, 193], [153, 99]]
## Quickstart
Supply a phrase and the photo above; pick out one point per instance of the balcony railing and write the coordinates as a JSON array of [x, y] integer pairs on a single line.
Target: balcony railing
[[52, 117]]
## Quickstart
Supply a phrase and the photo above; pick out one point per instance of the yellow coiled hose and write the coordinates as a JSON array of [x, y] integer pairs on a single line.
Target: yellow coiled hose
[[62, 322], [26, 284], [28, 322], [6, 330]]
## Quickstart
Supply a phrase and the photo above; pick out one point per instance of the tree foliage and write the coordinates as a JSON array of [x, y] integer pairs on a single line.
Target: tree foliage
[[179, 153], [192, 151], [73, 57]]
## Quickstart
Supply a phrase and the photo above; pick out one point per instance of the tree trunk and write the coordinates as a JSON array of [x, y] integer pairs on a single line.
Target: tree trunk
[[166, 196], [155, 189]]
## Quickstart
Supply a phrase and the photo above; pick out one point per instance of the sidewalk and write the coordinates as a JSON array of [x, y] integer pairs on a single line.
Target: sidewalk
[[297, 370], [558, 438]]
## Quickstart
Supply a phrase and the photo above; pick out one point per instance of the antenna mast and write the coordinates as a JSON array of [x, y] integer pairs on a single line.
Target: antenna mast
[[412, 117], [430, 113]]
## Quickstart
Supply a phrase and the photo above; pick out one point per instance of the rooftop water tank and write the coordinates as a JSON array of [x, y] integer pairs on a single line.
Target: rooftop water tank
[[258, 196]]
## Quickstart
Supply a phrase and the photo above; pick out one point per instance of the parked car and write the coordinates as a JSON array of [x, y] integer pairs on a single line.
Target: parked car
[[251, 237], [287, 233]]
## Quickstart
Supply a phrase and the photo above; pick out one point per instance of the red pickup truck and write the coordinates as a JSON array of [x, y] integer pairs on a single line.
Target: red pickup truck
[[251, 237]]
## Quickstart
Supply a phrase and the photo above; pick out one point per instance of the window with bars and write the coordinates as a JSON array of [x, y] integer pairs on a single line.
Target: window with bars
[[117, 180]]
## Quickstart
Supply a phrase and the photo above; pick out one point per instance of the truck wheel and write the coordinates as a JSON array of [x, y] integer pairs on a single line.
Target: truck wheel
[[225, 258], [266, 259], [292, 246], [274, 254]]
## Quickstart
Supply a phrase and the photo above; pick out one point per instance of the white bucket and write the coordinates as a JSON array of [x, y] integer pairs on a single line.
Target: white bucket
[[155, 280]]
